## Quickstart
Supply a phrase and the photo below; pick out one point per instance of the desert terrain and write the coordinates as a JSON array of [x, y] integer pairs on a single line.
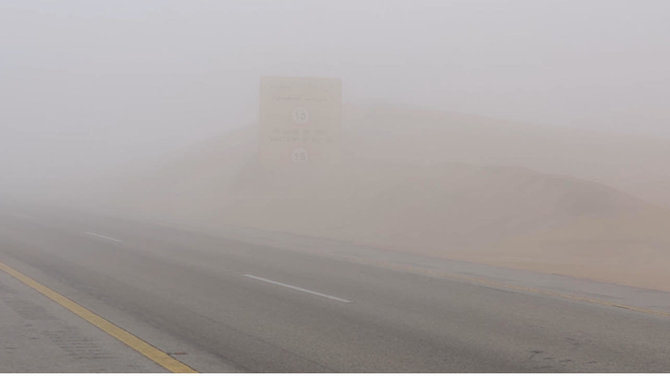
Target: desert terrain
[[556, 200]]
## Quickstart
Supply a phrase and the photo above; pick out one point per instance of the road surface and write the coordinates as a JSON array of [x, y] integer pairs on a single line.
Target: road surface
[[223, 304]]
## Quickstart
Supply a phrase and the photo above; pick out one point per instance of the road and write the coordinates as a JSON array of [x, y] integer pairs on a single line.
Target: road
[[223, 304]]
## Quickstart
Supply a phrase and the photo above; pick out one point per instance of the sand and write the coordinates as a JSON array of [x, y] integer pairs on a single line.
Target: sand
[[444, 185]]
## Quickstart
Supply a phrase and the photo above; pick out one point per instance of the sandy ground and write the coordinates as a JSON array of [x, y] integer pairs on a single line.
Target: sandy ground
[[454, 186]]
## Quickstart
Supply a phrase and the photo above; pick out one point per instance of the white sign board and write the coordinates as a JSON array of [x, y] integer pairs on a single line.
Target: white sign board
[[300, 120]]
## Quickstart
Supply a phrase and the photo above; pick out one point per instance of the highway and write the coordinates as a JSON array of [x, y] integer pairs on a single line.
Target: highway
[[219, 303]]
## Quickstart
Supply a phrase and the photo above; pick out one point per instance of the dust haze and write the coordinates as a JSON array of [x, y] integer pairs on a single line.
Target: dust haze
[[527, 134]]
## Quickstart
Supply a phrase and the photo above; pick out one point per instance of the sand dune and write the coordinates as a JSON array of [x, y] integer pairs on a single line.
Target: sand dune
[[433, 183]]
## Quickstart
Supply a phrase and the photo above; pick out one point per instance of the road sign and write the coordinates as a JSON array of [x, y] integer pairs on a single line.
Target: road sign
[[300, 120]]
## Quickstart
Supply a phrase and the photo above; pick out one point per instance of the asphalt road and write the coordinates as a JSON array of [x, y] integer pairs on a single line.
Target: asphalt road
[[220, 304]]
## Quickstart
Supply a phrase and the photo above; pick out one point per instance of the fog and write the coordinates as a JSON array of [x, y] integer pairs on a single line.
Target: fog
[[527, 129]]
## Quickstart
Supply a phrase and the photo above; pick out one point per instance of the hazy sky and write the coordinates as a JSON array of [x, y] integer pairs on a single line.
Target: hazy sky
[[89, 84]]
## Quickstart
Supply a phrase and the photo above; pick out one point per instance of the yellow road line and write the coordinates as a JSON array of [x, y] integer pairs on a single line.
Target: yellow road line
[[159, 357]]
